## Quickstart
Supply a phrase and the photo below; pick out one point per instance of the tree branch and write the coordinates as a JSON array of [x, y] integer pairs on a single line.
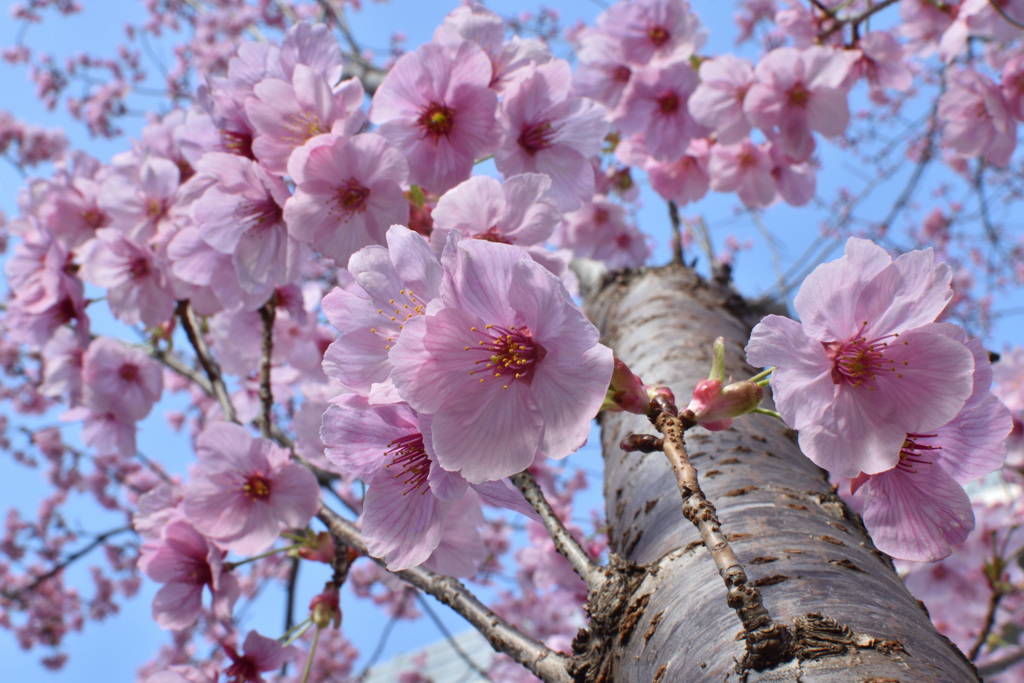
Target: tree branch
[[218, 389], [768, 643], [566, 545], [855, 20], [267, 313], [546, 664]]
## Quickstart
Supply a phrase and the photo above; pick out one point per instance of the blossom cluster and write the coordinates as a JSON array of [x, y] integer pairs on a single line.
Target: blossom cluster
[[882, 394]]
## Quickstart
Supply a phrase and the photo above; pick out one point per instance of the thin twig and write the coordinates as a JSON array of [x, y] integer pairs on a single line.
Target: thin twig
[[996, 666], [566, 545], [548, 665], [452, 643], [768, 643], [190, 324], [60, 566], [990, 620], [267, 313]]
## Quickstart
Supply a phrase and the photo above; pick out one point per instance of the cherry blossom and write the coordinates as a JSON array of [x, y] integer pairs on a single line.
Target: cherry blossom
[[861, 370], [439, 112], [508, 367], [185, 561]]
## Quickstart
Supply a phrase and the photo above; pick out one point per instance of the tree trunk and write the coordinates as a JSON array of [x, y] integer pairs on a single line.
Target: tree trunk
[[804, 549]]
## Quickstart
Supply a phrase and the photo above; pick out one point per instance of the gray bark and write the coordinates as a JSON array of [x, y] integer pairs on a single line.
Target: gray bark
[[667, 620]]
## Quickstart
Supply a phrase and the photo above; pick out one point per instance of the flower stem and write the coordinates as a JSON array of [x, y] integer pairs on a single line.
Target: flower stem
[[761, 378], [309, 659], [274, 551], [765, 411], [298, 630]]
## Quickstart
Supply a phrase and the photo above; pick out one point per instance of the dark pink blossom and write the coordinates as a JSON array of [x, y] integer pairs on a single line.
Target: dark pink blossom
[[861, 371], [685, 179], [261, 654], [599, 230], [603, 72], [509, 367], [438, 110], [185, 561], [245, 490]]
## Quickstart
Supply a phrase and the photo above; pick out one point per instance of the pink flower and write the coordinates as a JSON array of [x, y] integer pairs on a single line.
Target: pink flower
[[391, 287], [439, 112], [245, 490], [137, 198], [513, 212], [860, 371], [262, 654], [603, 72], [287, 114], [975, 119], [718, 100], [409, 496], [508, 366], [546, 129], [685, 179], [743, 168], [348, 193], [653, 30], [918, 510], [135, 279], [118, 380], [655, 103], [881, 63], [509, 59], [599, 231], [798, 91], [185, 561]]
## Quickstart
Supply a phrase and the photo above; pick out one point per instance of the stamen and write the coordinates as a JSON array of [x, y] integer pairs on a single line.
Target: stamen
[[411, 462]]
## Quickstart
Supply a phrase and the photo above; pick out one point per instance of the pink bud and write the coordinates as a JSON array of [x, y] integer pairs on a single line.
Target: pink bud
[[713, 406], [326, 608]]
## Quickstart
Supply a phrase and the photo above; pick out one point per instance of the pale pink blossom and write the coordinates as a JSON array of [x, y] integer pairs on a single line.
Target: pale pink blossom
[[718, 101], [975, 119], [882, 63], [245, 490], [120, 380], [391, 287], [653, 30], [655, 103], [138, 197], [743, 168], [918, 510], [508, 366], [599, 230], [287, 114], [861, 371], [545, 128], [136, 284], [438, 110], [510, 59], [603, 72], [798, 91], [514, 212], [348, 193], [685, 179]]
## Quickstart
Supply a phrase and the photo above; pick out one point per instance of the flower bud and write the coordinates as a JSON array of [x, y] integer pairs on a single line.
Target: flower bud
[[713, 406], [627, 392], [326, 608]]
